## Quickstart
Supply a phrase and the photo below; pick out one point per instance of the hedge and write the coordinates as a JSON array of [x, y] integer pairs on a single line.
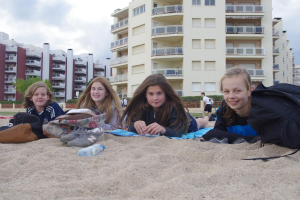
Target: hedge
[[72, 101], [199, 98], [11, 102]]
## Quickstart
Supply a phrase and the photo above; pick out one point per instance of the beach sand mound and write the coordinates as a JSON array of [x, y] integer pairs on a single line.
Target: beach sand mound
[[147, 168]]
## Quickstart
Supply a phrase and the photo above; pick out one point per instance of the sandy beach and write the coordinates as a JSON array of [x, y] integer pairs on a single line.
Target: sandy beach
[[147, 168]]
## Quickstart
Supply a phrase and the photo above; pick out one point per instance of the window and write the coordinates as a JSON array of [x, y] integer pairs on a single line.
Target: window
[[210, 22], [138, 69], [287, 66], [283, 59], [133, 88], [196, 43], [139, 10], [196, 86], [209, 2], [195, 2], [196, 22], [283, 73], [196, 65], [138, 49], [210, 65], [210, 44], [139, 29], [209, 86]]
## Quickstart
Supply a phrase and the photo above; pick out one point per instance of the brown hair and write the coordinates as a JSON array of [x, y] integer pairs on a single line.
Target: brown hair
[[30, 92], [235, 71], [110, 102], [139, 104]]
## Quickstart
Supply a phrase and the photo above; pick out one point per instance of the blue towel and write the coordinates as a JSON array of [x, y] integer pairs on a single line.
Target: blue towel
[[192, 135]]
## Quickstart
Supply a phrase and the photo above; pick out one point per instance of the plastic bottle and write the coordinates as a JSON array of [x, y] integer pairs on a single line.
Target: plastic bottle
[[93, 150]]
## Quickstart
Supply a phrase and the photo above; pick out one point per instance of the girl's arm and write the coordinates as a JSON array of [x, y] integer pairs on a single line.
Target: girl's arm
[[173, 131], [57, 111], [114, 122]]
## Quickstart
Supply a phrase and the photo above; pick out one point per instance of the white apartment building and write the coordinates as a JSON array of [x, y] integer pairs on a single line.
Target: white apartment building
[[193, 42], [296, 75]]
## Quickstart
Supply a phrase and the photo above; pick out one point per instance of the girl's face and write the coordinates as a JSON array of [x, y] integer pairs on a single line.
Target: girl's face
[[98, 93], [40, 97], [236, 94], [156, 97]]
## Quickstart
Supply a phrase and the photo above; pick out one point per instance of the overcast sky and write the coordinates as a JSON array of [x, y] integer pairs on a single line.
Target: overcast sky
[[84, 25]]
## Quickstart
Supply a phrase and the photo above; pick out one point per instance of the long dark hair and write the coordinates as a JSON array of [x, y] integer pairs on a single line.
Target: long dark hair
[[138, 104]]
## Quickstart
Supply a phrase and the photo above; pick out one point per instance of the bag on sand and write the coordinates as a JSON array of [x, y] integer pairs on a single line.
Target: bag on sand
[[23, 118], [64, 124], [275, 114]]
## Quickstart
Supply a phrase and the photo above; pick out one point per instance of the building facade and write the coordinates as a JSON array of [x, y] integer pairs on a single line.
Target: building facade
[[296, 75], [68, 73], [193, 43]]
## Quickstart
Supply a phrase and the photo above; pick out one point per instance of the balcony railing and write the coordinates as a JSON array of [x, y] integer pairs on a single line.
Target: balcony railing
[[59, 94], [296, 70], [245, 8], [119, 24], [11, 59], [175, 29], [58, 85], [33, 63], [118, 78], [59, 58], [167, 51], [9, 79], [244, 29], [10, 69], [80, 62], [33, 53], [275, 33], [80, 71], [276, 50], [11, 48], [167, 9], [99, 66], [297, 83], [33, 73], [276, 67], [119, 42], [256, 72], [80, 79], [248, 51], [79, 87], [276, 82], [58, 76], [99, 74], [179, 92], [9, 99], [59, 67], [10, 90], [119, 60], [169, 71]]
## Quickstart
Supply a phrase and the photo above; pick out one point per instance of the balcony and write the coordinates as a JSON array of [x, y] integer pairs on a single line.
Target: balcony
[[11, 49], [9, 91], [118, 78], [276, 50], [167, 51], [33, 63], [163, 30], [119, 42], [80, 71], [119, 60], [297, 83], [276, 67], [9, 79], [58, 58], [80, 79], [179, 92], [58, 77], [58, 67], [256, 72], [244, 9], [59, 94], [167, 9], [11, 59], [98, 74], [169, 72], [33, 73], [33, 53], [58, 85], [80, 62], [296, 71], [9, 99], [79, 87], [244, 30], [99, 66], [10, 69], [120, 24], [245, 51], [275, 33], [276, 82], [297, 77]]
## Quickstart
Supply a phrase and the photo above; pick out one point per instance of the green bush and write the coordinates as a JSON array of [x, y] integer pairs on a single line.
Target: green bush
[[72, 101], [216, 97], [11, 102], [199, 98]]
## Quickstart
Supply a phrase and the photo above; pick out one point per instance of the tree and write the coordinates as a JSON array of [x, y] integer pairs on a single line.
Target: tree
[[21, 85]]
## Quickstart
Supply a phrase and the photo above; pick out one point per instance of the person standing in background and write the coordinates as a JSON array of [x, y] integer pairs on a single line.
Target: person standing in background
[[206, 104], [125, 102]]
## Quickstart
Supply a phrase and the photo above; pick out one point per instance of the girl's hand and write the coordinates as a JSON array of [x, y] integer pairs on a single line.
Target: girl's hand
[[154, 129], [140, 126]]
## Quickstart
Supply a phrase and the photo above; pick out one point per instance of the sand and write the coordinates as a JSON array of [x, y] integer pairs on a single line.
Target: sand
[[147, 168]]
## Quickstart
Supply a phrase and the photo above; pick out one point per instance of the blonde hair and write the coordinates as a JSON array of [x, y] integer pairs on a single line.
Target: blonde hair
[[30, 92], [110, 102], [235, 71]]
